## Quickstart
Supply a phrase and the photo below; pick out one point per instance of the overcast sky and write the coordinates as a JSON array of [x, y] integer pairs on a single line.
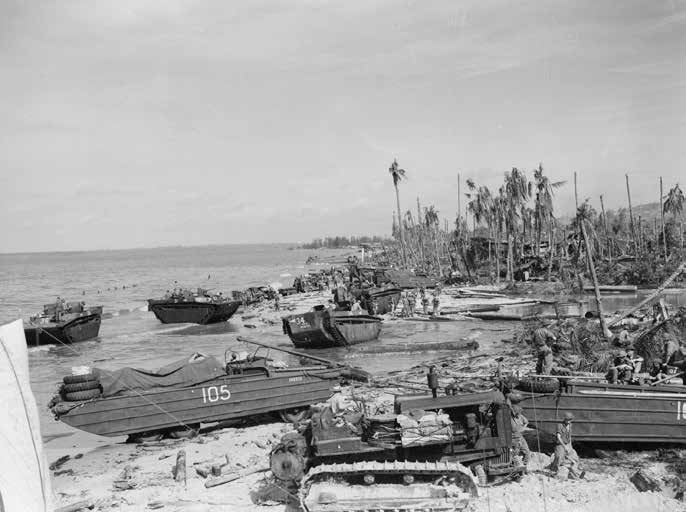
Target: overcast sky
[[135, 123]]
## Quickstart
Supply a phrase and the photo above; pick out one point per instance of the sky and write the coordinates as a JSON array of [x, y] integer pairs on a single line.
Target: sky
[[142, 123]]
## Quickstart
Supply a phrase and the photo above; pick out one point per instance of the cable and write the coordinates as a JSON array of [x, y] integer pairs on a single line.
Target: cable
[[538, 441], [28, 421]]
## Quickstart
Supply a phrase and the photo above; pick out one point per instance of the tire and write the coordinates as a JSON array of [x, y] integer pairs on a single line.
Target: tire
[[76, 379], [534, 385], [295, 415], [80, 396], [81, 386]]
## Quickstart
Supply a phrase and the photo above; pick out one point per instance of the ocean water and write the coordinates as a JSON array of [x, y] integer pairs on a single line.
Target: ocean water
[[122, 281]]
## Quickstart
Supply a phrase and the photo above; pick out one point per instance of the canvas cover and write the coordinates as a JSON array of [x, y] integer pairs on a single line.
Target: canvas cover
[[24, 475], [179, 374]]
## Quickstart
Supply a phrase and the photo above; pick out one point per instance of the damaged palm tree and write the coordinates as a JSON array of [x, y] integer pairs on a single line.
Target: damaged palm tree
[[583, 216], [398, 174]]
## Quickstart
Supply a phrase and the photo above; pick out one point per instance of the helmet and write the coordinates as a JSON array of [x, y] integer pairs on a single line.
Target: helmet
[[568, 416]]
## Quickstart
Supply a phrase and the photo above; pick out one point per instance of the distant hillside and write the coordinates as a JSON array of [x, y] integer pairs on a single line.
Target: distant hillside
[[647, 212]]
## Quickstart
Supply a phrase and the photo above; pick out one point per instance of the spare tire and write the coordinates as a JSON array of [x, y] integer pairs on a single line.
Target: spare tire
[[81, 386], [75, 379], [80, 396], [535, 385]]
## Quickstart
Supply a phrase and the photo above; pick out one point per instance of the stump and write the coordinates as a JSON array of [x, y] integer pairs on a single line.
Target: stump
[[179, 470]]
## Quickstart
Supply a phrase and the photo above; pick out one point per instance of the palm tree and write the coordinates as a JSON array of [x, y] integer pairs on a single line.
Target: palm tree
[[675, 201], [398, 174], [543, 209], [517, 191], [584, 217], [431, 222]]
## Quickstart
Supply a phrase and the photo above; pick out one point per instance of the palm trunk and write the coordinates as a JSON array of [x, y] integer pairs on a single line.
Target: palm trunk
[[662, 219], [603, 327], [551, 250], [438, 256], [631, 216], [607, 233], [400, 225], [421, 236]]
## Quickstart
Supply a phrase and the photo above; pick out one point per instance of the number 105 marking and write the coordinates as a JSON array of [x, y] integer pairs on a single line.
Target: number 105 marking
[[214, 393]]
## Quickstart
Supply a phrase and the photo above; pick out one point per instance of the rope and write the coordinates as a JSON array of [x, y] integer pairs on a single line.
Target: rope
[[28, 421], [538, 441]]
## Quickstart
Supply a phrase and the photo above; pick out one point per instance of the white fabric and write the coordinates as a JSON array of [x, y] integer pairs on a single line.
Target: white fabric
[[21, 467]]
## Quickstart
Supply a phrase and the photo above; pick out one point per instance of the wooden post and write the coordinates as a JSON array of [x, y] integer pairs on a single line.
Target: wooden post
[[180, 467], [607, 233], [631, 215], [662, 220], [576, 195]]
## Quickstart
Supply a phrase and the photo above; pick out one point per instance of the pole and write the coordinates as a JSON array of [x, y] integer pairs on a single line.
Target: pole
[[576, 195], [631, 215], [459, 198], [662, 220], [291, 352], [607, 233], [603, 327]]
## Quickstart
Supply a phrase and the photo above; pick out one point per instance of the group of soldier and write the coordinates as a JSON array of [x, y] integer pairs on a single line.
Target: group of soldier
[[409, 299]]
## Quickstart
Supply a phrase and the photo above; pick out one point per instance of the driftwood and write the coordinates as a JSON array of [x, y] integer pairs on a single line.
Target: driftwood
[[213, 482], [644, 483], [56, 465], [652, 296], [75, 507], [179, 470]]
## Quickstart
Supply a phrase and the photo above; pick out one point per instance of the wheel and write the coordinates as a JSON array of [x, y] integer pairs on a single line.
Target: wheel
[[80, 396], [75, 379], [546, 385], [295, 415], [81, 386]]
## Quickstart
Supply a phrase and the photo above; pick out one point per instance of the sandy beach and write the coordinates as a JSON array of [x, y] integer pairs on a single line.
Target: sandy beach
[[134, 477]]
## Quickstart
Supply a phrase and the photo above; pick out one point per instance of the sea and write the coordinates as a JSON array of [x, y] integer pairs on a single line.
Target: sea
[[123, 280]]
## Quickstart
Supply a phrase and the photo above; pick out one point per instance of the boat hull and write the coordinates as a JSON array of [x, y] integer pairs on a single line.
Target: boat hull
[[169, 312], [81, 328], [219, 399], [322, 329], [613, 412]]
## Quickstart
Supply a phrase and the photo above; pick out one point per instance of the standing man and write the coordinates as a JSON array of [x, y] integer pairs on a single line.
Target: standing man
[[544, 365], [432, 380], [277, 300], [425, 302], [565, 455], [435, 304], [412, 301], [519, 425]]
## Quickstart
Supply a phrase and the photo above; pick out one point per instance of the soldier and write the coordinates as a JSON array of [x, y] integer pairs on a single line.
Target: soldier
[[435, 304], [565, 455], [519, 425], [432, 380]]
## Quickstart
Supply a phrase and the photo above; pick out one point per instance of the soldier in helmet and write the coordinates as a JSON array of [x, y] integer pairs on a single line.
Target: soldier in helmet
[[565, 455]]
